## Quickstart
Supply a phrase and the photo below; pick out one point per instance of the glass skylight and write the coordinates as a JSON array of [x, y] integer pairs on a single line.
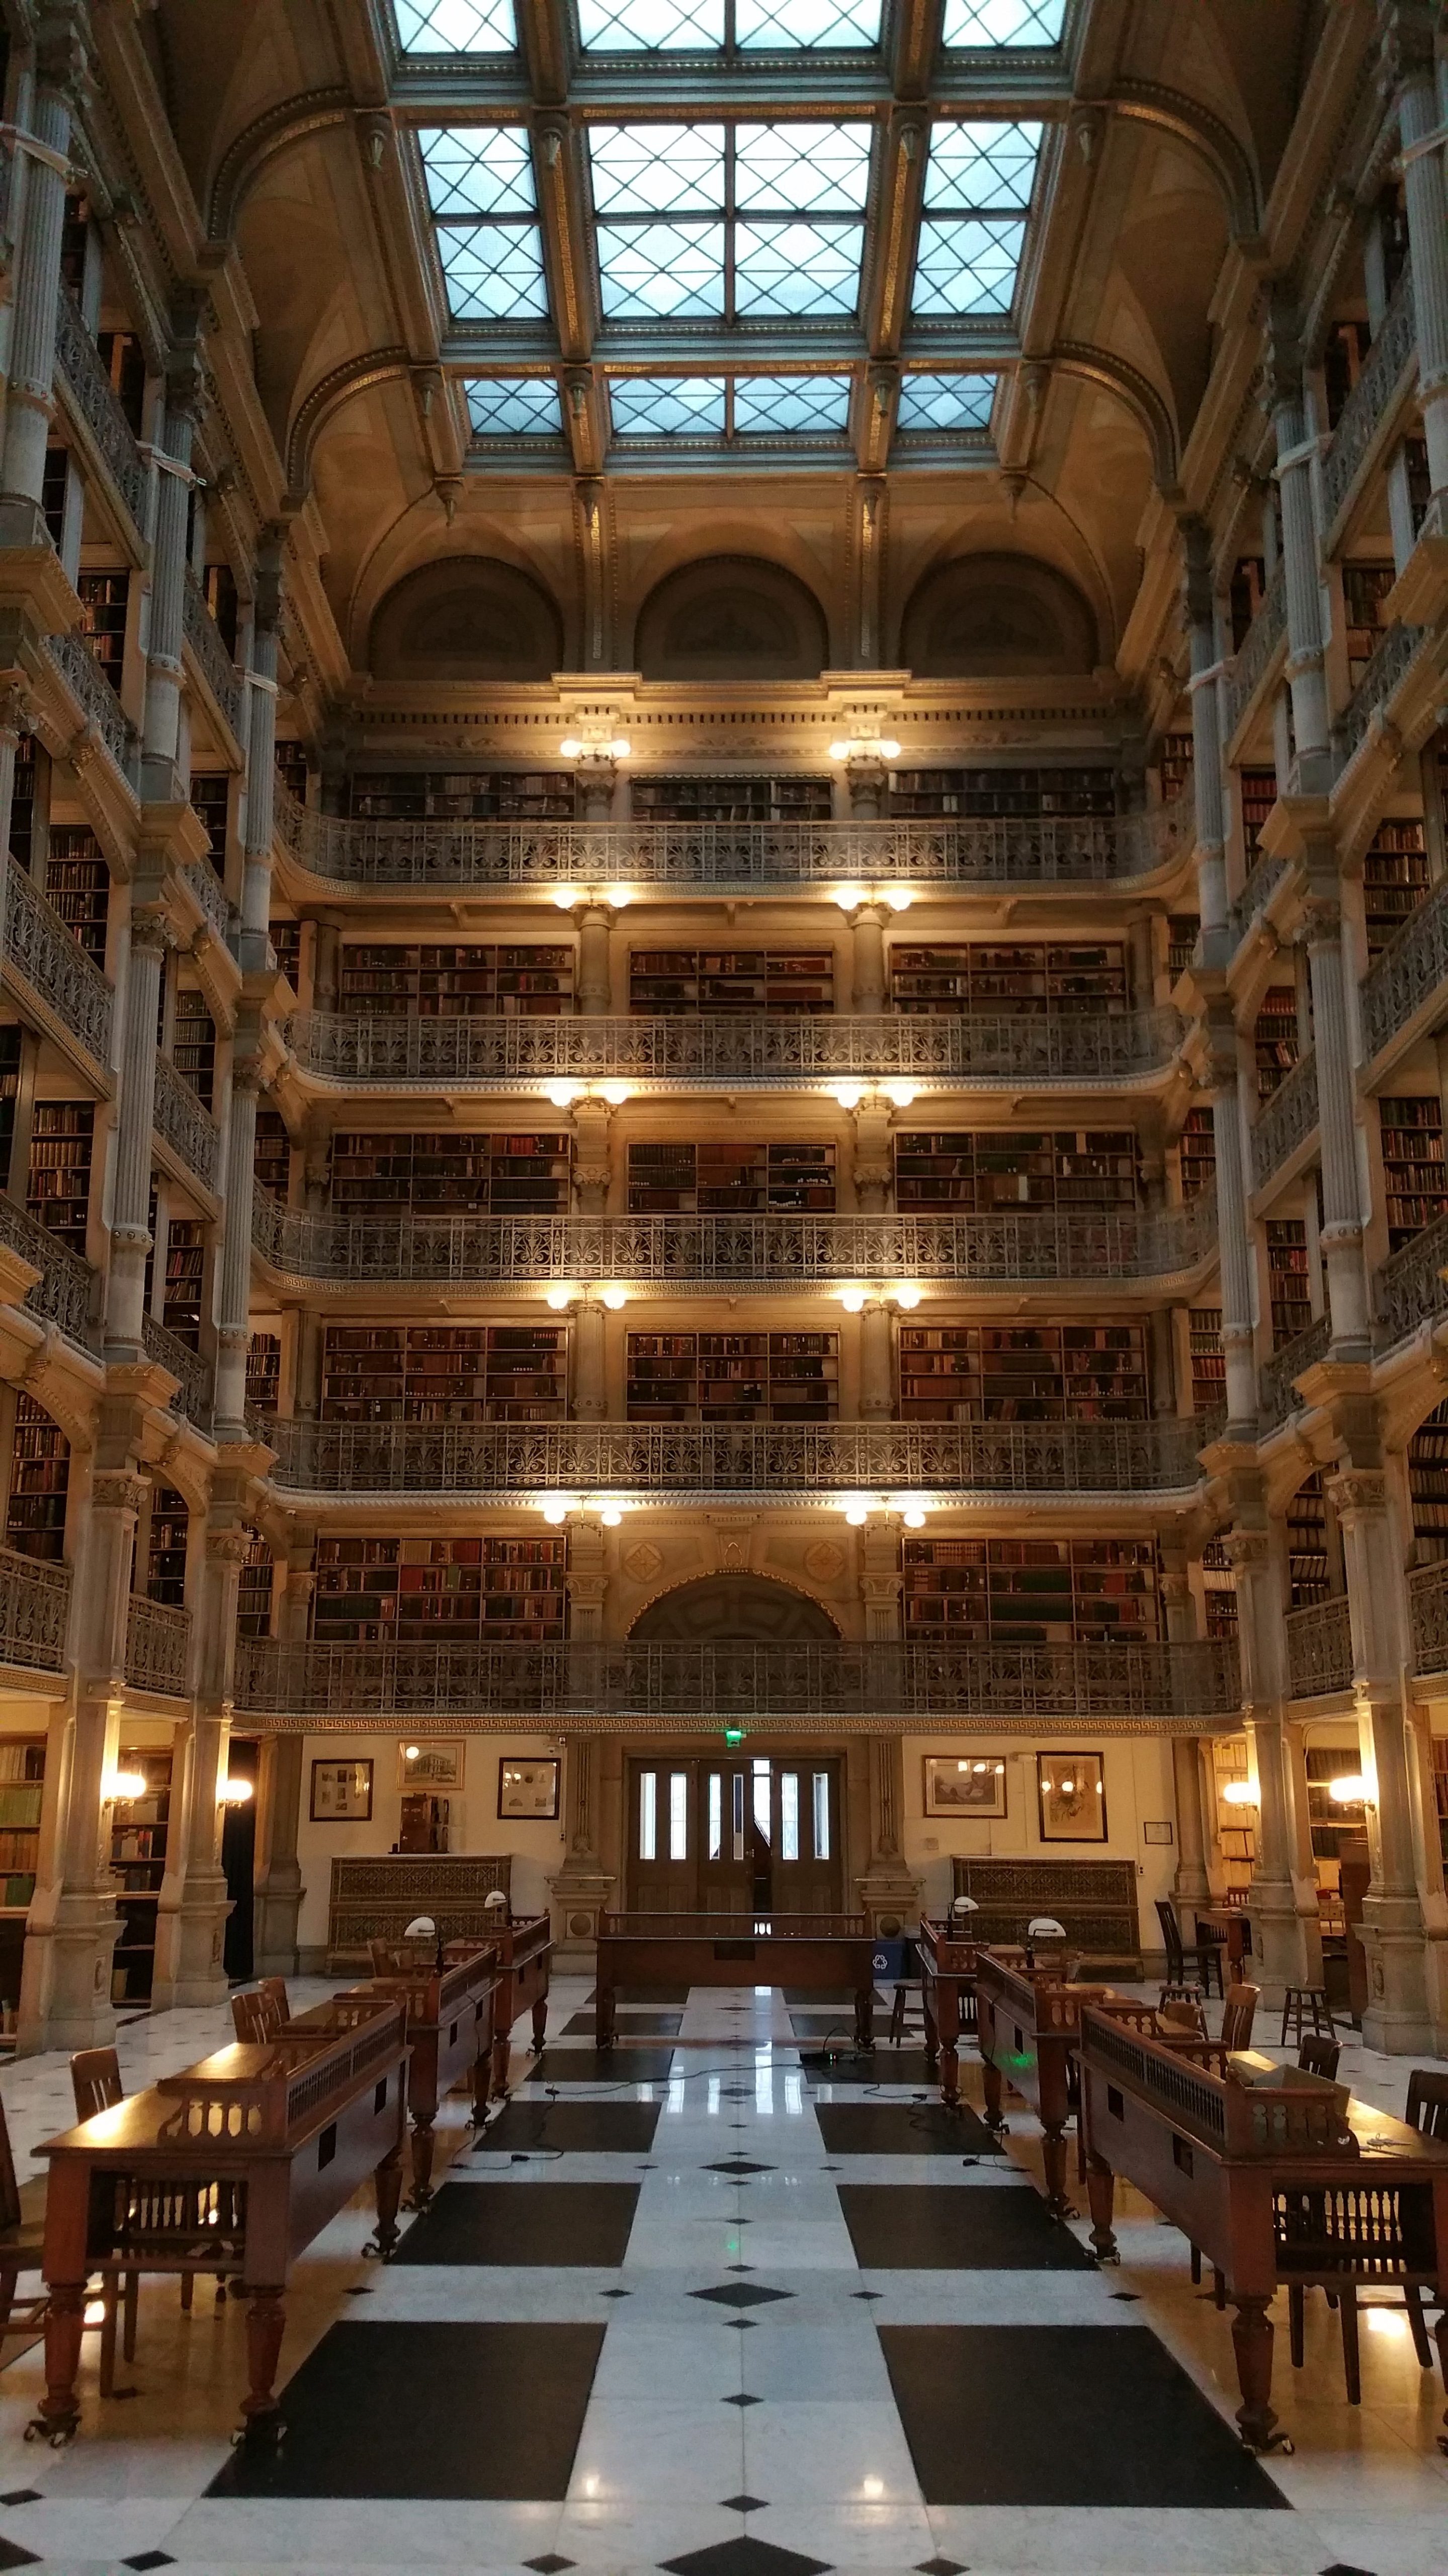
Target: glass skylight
[[728, 221], [712, 26], [456, 26], [480, 189], [981, 23], [791, 406], [667, 406], [716, 407], [978, 186], [946, 403], [514, 407]]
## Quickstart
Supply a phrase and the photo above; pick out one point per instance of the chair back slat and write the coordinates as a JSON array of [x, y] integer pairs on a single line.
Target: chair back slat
[[259, 2013], [1428, 2102], [1318, 2055], [1172, 1941], [1238, 2014], [95, 2077]]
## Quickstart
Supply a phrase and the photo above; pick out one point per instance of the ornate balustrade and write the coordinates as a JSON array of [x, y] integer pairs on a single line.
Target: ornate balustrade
[[1039, 850], [44, 952], [1256, 894], [203, 881], [34, 1612], [158, 1640], [764, 1251], [694, 1685], [1319, 1648], [185, 1126], [94, 399], [1379, 684], [1407, 974], [1278, 1392], [1428, 1618], [1411, 1286], [1260, 645], [99, 706], [520, 1459], [65, 1292], [193, 1378], [788, 1046], [213, 660], [1374, 394], [1286, 1120]]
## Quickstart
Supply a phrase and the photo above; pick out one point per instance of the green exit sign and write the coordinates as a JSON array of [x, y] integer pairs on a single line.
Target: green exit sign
[[733, 1734]]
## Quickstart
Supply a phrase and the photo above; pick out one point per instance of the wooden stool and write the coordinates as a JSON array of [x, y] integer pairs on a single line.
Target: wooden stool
[[1298, 2002]]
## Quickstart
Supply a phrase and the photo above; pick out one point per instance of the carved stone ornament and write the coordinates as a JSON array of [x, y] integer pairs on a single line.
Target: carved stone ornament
[[1245, 1549], [119, 1491], [824, 1561], [1358, 1489], [227, 1547], [644, 1561]]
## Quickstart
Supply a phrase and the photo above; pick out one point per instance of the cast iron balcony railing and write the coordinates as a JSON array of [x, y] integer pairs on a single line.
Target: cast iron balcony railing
[[212, 658], [65, 1292], [1376, 689], [1319, 1648], [756, 1251], [203, 881], [1279, 1396], [1256, 894], [785, 1047], [1010, 850], [158, 1640], [34, 1612], [1260, 645], [1411, 1285], [193, 1377], [1407, 974], [1371, 398], [185, 1126], [523, 1459], [94, 398], [1428, 1618], [46, 955], [1286, 1120], [99, 706], [823, 1684]]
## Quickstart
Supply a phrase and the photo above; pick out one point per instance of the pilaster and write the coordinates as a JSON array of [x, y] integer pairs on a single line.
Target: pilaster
[[194, 1904], [278, 1891], [1285, 1931], [583, 1888]]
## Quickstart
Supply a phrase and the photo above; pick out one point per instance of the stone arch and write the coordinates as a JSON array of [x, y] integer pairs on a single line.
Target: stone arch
[[748, 1609], [731, 617], [466, 617], [997, 617]]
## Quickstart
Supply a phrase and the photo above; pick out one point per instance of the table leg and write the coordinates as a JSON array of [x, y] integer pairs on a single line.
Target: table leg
[[603, 2013], [266, 2318], [422, 2147], [482, 2084], [59, 2414], [949, 2072], [994, 2089], [387, 2183], [540, 2024], [932, 2038], [865, 2018], [1252, 2344], [1440, 2331], [1101, 2196], [1053, 2146], [502, 2051]]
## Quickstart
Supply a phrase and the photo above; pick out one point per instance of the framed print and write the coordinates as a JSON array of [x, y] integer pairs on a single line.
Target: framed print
[[341, 1793], [972, 1784], [431, 1766], [1072, 1791], [1163, 1833], [529, 1788]]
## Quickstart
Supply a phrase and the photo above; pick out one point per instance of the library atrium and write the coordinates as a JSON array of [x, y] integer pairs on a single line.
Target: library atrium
[[724, 1287]]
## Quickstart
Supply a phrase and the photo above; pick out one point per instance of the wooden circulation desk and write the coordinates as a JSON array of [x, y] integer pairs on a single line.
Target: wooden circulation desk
[[808, 1950], [1277, 2187], [524, 1951], [450, 2030], [1029, 2032], [231, 2166]]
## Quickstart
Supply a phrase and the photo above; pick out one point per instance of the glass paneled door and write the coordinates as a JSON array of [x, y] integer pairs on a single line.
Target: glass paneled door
[[735, 1834]]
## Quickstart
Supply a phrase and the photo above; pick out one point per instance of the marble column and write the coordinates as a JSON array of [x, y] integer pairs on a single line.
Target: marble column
[[581, 1890], [868, 924], [1409, 76], [869, 784], [591, 1156], [131, 1188], [872, 1166], [233, 1332], [163, 766], [194, 1904], [889, 1891], [261, 730], [1233, 1230], [1287, 1942], [877, 1390], [1207, 781], [1306, 674], [60, 73], [278, 1891], [595, 987], [1191, 1885], [1342, 1232], [590, 1391]]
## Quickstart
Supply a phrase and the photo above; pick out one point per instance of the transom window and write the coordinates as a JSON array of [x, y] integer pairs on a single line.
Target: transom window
[[714, 407], [978, 186], [713, 26], [456, 26], [975, 24], [485, 211], [945, 403], [734, 222], [514, 407]]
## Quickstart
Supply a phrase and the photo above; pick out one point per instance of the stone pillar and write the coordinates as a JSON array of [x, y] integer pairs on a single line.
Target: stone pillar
[[16, 717], [1400, 508], [261, 729], [590, 1156], [60, 72], [1233, 1231], [590, 1386], [70, 1934], [877, 1389], [163, 767], [889, 1891], [1408, 74], [191, 1916], [869, 782], [233, 1332], [587, 1580], [278, 1891], [597, 774], [1342, 1232], [1191, 1886], [873, 1165], [868, 923], [582, 1888], [131, 1191], [1207, 788], [1295, 453], [595, 988], [1286, 1940]]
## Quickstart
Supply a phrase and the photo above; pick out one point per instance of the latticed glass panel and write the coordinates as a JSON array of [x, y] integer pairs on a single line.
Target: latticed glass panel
[[654, 272], [480, 188], [802, 169], [667, 406], [794, 26], [967, 267], [670, 243], [1003, 22], [514, 407], [791, 406], [657, 169], [950, 403], [650, 26], [478, 170], [456, 26], [797, 269], [494, 273], [982, 168]]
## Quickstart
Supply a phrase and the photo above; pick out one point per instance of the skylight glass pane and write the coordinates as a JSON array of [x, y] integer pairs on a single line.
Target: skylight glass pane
[[787, 406], [982, 167], [791, 26], [1004, 22], [477, 170], [456, 26], [514, 407], [651, 26], [802, 169], [968, 266], [667, 406], [797, 269], [653, 272], [494, 273], [950, 403], [657, 169]]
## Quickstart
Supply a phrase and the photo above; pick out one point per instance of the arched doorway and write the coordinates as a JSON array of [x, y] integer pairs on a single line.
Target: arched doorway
[[734, 1831]]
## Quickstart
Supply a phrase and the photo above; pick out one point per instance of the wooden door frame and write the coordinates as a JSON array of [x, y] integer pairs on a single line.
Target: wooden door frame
[[852, 1752]]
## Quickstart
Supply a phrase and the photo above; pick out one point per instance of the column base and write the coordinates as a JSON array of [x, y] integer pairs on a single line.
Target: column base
[[1286, 1941], [889, 1896], [276, 1908], [65, 1986], [577, 1896], [1397, 2019], [190, 1937]]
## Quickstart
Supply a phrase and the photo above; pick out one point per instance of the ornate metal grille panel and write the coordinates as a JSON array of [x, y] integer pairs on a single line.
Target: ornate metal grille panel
[[1286, 1120], [187, 1128], [193, 1397], [46, 955], [1379, 684], [1389, 358], [34, 1609], [1411, 1286], [93, 395], [100, 708], [1319, 1648], [65, 1291], [213, 660], [1260, 644], [157, 1642], [1279, 1396], [1408, 973]]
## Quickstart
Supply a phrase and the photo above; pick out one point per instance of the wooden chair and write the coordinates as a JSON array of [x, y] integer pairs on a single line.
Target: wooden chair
[[95, 2080], [1238, 2014], [1318, 2056], [1206, 1957], [1427, 2109], [259, 2013], [21, 2241]]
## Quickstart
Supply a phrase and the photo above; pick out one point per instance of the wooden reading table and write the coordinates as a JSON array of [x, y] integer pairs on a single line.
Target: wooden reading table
[[816, 1950], [948, 1967], [232, 2165], [525, 1949], [1029, 2032], [1278, 2184], [450, 2030]]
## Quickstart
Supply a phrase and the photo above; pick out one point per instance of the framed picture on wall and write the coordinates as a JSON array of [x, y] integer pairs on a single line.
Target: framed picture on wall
[[431, 1766], [529, 1788], [1072, 1791], [341, 1793], [973, 1784]]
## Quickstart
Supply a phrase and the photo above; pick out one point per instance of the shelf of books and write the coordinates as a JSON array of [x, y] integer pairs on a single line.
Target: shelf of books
[[488, 1174], [1023, 1373], [460, 796], [39, 1480], [1182, 932], [78, 885], [670, 982], [1275, 1038], [445, 1373], [1428, 1487], [1331, 1821], [1287, 1274], [211, 798], [517, 982], [58, 1193], [1415, 1180], [272, 1156], [286, 939], [926, 794], [1219, 1587], [193, 1045], [732, 799], [254, 1592], [1258, 790], [1209, 1361], [672, 1179], [105, 597], [264, 1372], [1396, 879], [1198, 1152], [443, 1591], [733, 1377], [1041, 981], [138, 1865], [1365, 587], [22, 1787], [1236, 1827], [1030, 1592], [991, 1169], [185, 1279], [1308, 1551]]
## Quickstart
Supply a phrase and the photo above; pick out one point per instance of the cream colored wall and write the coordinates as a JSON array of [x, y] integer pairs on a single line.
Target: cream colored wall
[[1138, 1774]]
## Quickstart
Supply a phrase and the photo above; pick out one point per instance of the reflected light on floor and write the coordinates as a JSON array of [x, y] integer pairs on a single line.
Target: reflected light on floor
[[1386, 2321], [872, 2489]]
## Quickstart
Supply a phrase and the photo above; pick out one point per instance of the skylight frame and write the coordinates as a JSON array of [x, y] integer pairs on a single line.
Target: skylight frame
[[482, 199], [411, 15], [510, 385], [985, 233], [729, 46], [917, 432], [729, 438], [1008, 47]]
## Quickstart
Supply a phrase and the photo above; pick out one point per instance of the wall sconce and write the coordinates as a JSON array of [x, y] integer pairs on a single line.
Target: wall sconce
[[859, 1509], [865, 746], [609, 1509], [595, 747], [561, 1298], [1350, 1791], [234, 1793], [850, 897], [617, 897], [902, 1293], [1239, 1793], [563, 1094], [118, 1786], [901, 1095]]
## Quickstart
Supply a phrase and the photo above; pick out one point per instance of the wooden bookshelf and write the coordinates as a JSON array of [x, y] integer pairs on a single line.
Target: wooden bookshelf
[[487, 1174], [1330, 1823], [1175, 761], [1428, 1486], [732, 798], [28, 756], [105, 597], [39, 1483], [932, 793], [168, 1526], [1182, 932], [264, 1372], [418, 1591], [291, 768], [733, 1377], [193, 1044], [1396, 880], [1415, 1181], [272, 1158], [10, 1053], [516, 982], [1365, 586], [139, 1828], [667, 982], [1288, 1278], [1198, 1151], [58, 1190], [1209, 1360], [460, 796], [1274, 1038], [254, 1592], [1042, 981], [1259, 795], [286, 940], [1219, 1586], [1308, 1569], [1023, 1373], [981, 1172], [211, 799], [78, 884], [1030, 1592], [22, 1788], [445, 1373], [185, 1279], [678, 1179]]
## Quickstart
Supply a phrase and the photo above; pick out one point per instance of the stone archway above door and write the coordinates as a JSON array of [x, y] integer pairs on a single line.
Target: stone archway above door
[[739, 1609]]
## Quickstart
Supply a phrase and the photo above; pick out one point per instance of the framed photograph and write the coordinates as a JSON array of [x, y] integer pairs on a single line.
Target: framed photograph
[[431, 1766], [971, 1784], [1072, 1791], [529, 1788], [341, 1793], [1163, 1833]]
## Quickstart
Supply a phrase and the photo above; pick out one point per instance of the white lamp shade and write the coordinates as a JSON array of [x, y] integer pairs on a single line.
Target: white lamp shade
[[421, 1928], [1044, 1927]]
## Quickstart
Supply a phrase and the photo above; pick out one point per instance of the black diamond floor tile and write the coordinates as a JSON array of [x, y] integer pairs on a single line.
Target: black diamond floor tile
[[143, 2558], [741, 2401], [22, 2495], [581, 2064], [941, 2567], [743, 2503], [531, 2223], [12, 2555], [951, 2227], [902, 2129], [1064, 2415], [660, 1993], [814, 1999], [745, 2557], [741, 2294], [572, 2128], [739, 2165], [407, 2410], [550, 2564], [634, 2025]]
